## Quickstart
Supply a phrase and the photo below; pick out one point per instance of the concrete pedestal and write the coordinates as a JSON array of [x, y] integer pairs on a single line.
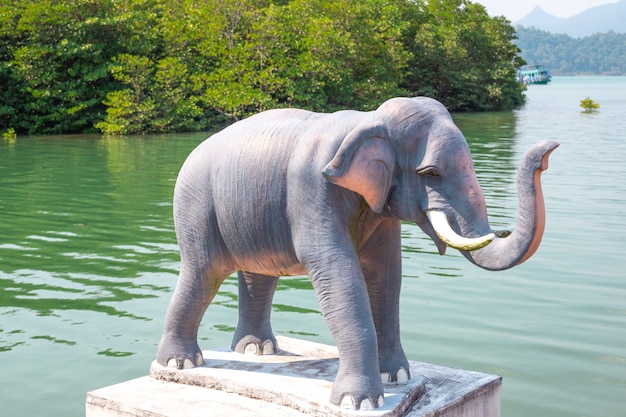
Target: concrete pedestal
[[296, 382]]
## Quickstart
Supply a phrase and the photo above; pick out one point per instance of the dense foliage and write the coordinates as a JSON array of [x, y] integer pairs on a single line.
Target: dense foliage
[[463, 57], [598, 54], [129, 66]]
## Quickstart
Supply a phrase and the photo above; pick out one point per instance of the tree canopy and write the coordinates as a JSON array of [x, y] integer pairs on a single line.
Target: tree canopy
[[134, 66]]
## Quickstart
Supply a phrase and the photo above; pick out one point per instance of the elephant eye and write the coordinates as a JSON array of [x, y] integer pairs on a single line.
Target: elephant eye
[[429, 172]]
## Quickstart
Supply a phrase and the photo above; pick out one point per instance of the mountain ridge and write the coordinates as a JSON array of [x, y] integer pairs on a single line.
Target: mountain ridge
[[599, 19]]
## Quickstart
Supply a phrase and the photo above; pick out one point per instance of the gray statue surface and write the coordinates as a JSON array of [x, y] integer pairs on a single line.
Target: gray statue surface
[[290, 192]]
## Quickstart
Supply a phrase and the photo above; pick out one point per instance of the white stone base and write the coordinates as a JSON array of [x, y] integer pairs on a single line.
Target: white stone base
[[295, 382]]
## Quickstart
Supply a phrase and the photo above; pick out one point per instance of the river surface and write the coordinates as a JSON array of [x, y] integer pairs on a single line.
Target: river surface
[[88, 259]]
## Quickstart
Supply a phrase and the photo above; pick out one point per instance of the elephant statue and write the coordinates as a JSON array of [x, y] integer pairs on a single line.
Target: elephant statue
[[291, 192]]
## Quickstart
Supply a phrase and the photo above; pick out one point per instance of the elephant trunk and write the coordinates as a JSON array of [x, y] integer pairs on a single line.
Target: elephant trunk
[[508, 250]]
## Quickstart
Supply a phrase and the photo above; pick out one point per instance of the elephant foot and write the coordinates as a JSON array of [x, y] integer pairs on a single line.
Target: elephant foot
[[394, 367], [186, 363], [402, 376], [179, 354], [349, 403], [252, 345], [357, 392]]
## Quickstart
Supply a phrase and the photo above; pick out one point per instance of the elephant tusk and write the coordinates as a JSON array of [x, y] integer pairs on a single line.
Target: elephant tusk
[[439, 220]]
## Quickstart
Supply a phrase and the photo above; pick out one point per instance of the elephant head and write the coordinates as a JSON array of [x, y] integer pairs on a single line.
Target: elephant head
[[413, 163]]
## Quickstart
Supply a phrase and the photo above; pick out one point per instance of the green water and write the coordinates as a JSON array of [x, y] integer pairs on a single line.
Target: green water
[[88, 259]]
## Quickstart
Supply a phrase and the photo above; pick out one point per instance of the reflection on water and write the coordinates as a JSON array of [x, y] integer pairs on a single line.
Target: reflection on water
[[88, 259], [492, 137], [86, 227]]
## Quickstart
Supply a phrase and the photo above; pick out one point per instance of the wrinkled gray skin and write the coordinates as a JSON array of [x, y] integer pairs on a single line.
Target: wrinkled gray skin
[[290, 192]]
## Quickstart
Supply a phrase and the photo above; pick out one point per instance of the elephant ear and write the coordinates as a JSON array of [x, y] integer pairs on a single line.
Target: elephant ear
[[364, 164]]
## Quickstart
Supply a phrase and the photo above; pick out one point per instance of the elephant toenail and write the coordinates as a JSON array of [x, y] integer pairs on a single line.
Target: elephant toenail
[[268, 348], [251, 349], [199, 359], [366, 405], [402, 376], [385, 377], [347, 403]]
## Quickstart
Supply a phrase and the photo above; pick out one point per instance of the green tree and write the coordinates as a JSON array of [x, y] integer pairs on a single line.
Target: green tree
[[131, 66], [463, 58], [59, 55], [129, 110], [10, 83], [313, 54], [175, 104], [155, 85], [373, 55]]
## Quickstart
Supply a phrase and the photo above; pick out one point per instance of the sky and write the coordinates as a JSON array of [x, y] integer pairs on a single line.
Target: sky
[[516, 9]]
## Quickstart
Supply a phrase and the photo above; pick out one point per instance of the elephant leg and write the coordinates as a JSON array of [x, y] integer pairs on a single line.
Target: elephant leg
[[254, 332], [194, 291], [342, 295], [382, 267], [204, 266]]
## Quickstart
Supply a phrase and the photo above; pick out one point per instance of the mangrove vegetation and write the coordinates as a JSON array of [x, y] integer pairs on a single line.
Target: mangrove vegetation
[[138, 66]]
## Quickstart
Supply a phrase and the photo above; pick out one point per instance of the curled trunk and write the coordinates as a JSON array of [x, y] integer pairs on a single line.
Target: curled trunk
[[507, 251]]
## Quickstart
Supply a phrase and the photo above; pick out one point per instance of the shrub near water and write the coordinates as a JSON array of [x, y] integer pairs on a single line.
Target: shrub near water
[[589, 106], [133, 66], [9, 134]]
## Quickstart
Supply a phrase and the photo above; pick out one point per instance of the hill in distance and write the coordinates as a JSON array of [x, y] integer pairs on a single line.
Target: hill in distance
[[599, 19]]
